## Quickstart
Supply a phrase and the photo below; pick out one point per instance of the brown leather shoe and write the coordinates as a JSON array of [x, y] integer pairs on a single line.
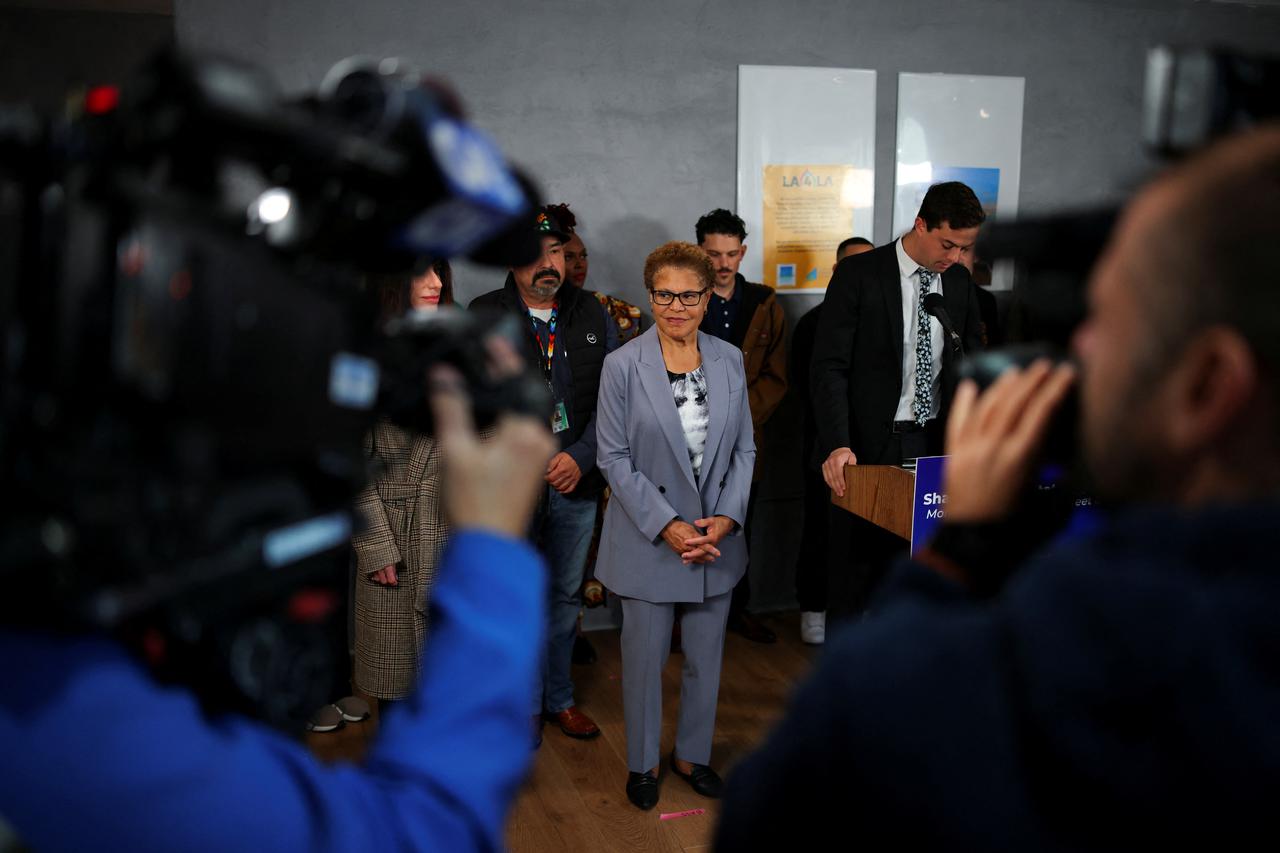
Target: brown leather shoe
[[574, 723], [592, 593]]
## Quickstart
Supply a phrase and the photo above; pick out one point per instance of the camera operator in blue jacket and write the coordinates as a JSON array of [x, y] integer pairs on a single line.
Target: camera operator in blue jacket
[[97, 755]]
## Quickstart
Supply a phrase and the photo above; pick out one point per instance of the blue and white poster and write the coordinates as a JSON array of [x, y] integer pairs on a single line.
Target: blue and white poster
[[955, 127]]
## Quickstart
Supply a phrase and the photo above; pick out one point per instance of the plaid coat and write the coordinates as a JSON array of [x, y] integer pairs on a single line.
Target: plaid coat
[[405, 527]]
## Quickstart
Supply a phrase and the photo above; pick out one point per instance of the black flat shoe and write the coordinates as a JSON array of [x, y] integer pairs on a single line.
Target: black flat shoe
[[701, 778], [751, 628], [642, 790]]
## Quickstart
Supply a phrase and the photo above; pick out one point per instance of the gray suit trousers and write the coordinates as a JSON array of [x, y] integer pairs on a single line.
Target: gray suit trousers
[[646, 643]]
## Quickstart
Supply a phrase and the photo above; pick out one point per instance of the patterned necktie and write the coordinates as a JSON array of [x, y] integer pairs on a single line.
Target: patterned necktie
[[922, 405]]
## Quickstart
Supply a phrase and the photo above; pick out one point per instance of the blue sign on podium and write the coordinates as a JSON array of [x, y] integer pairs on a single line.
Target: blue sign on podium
[[929, 505], [930, 501]]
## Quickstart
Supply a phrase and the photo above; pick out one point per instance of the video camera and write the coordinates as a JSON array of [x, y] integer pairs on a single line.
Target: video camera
[[191, 357], [1192, 96]]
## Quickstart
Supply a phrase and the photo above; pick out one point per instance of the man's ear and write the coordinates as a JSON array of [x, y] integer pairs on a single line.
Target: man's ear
[[743, 251], [920, 227], [1212, 385]]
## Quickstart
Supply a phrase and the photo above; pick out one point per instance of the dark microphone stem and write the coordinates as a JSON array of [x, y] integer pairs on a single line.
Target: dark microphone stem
[[933, 305]]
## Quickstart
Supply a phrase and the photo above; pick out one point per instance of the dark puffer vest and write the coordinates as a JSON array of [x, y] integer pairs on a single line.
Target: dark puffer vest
[[581, 327]]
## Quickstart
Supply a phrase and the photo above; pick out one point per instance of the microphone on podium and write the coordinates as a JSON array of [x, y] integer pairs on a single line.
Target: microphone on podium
[[934, 306]]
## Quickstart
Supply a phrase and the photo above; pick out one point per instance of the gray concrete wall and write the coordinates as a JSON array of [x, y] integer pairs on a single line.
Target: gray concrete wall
[[628, 110]]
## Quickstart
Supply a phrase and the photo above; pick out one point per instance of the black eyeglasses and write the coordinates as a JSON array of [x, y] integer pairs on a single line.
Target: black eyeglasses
[[688, 298]]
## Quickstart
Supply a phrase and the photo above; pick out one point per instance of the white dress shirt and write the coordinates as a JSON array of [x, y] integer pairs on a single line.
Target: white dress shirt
[[910, 283]]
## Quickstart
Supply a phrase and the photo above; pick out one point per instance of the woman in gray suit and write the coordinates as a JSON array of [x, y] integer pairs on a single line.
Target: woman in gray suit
[[674, 441]]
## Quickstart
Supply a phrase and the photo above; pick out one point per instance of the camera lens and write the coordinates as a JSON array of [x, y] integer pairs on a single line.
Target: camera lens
[[364, 99]]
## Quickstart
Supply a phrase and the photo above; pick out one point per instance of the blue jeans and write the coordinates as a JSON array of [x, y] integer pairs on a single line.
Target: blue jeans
[[563, 535]]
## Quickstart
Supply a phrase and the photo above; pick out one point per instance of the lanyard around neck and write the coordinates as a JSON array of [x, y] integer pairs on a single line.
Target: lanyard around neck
[[550, 351]]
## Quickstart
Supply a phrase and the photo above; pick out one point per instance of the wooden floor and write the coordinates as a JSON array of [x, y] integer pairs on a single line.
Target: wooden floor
[[575, 798]]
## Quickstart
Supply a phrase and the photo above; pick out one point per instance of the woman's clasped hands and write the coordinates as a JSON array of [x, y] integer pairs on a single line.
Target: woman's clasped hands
[[696, 543]]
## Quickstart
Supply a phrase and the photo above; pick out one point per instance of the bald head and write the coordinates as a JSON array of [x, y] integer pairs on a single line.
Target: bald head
[[1180, 397], [1216, 222]]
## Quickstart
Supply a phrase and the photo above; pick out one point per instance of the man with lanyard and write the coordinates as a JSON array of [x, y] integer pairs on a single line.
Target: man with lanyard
[[569, 336]]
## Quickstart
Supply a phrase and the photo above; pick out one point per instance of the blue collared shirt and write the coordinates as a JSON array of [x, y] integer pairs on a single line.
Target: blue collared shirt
[[722, 314]]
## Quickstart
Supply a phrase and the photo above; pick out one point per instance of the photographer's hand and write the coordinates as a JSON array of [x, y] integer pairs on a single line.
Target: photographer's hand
[[492, 485], [993, 439]]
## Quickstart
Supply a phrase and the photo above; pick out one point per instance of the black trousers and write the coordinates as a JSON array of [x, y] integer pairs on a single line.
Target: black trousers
[[860, 554], [811, 562]]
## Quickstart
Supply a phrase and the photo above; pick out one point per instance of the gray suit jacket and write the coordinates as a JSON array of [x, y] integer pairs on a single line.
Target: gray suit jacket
[[642, 452]]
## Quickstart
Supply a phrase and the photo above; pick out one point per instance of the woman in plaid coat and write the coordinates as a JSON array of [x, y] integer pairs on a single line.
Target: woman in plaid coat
[[397, 552]]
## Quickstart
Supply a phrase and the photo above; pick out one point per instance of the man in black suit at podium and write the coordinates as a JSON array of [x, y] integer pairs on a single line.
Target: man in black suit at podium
[[883, 369]]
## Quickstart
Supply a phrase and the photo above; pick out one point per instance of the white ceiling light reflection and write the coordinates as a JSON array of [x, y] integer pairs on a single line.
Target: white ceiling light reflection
[[857, 191], [272, 215], [915, 173], [272, 206]]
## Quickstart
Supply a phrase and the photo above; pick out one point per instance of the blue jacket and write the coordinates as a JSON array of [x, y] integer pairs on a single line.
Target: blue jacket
[[1122, 692], [96, 755]]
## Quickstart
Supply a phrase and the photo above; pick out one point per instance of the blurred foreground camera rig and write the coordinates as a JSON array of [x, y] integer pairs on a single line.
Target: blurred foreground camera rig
[[191, 360]]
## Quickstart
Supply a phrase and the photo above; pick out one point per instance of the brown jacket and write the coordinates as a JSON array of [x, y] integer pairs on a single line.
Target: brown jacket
[[405, 527], [765, 356]]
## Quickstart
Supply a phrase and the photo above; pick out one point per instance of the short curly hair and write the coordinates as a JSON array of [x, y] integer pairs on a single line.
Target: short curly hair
[[720, 221], [565, 215], [679, 255], [953, 203]]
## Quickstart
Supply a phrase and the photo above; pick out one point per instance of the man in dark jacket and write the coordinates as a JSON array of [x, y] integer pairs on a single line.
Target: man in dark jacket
[[883, 371], [811, 561], [748, 316], [1118, 691], [568, 333]]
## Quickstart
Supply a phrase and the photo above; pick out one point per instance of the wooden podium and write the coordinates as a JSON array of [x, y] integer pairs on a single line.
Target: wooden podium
[[882, 494]]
